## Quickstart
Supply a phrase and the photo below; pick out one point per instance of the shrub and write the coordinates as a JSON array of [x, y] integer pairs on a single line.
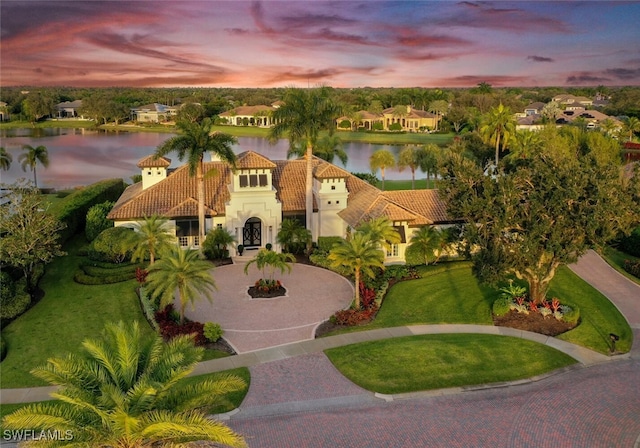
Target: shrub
[[344, 124], [213, 331], [148, 308], [572, 316], [501, 306], [16, 304], [111, 245], [96, 220], [73, 211], [395, 127], [632, 267], [325, 243], [7, 285], [169, 328], [320, 259], [377, 126], [631, 244], [367, 177], [353, 317], [217, 242]]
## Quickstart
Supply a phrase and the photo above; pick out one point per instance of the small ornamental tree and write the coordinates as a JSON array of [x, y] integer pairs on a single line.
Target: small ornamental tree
[[29, 233], [538, 212]]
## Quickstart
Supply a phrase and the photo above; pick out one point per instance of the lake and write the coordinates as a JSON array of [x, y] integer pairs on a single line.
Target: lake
[[81, 156]]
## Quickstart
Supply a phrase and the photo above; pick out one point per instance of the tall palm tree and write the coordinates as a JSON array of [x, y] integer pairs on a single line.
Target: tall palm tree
[[150, 238], [360, 255], [499, 126], [429, 158], [304, 114], [5, 159], [184, 271], [439, 107], [31, 157], [382, 159], [410, 157], [524, 144], [327, 148], [124, 390], [292, 234], [424, 243], [632, 125], [380, 231], [195, 140], [273, 260]]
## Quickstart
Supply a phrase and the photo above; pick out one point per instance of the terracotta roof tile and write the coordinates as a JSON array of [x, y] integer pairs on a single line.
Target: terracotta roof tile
[[289, 179], [152, 161], [425, 203], [251, 159]]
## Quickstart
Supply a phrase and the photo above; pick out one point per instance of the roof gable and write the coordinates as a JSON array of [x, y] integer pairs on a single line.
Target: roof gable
[[253, 160]]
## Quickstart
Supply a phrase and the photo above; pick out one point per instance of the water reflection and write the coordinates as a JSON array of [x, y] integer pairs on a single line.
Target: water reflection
[[82, 156]]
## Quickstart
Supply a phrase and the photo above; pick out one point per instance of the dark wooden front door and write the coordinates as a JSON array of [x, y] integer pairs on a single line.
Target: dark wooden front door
[[252, 233]]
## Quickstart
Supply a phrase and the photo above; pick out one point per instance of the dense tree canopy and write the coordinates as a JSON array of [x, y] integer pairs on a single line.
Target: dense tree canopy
[[540, 211]]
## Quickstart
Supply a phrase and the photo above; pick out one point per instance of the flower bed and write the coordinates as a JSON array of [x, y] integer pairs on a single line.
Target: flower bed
[[267, 289]]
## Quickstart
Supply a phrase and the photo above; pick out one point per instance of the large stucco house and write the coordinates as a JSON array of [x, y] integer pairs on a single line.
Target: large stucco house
[[409, 119], [259, 115], [154, 113], [252, 201]]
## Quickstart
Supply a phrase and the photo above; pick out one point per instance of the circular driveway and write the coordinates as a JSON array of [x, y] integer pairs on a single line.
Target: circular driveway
[[313, 294]]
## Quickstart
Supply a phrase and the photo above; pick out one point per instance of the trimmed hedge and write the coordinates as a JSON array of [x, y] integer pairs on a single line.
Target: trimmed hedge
[[17, 303], [501, 306], [631, 244], [148, 308], [632, 267], [96, 220], [111, 245], [325, 243], [74, 209]]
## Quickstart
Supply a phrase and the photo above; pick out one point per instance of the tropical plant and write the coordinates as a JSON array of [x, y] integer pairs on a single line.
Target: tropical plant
[[304, 114], [424, 243], [184, 271], [524, 144], [632, 125], [150, 237], [410, 157], [217, 243], [293, 236], [31, 157], [380, 231], [428, 160], [195, 140], [499, 125], [439, 107], [125, 390], [381, 159], [360, 255], [329, 147], [274, 260], [5, 159], [96, 220]]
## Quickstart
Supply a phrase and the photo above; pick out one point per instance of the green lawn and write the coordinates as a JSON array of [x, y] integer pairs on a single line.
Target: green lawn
[[427, 362], [75, 124], [421, 184], [616, 259], [66, 315], [448, 293]]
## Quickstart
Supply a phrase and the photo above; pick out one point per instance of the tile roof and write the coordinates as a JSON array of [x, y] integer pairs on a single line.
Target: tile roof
[[152, 161], [251, 159], [247, 110], [176, 196]]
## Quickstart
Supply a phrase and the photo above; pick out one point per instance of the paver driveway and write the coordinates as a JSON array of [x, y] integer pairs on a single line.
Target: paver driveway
[[313, 294]]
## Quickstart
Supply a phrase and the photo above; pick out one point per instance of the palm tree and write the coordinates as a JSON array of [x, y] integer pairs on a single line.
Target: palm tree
[[525, 143], [429, 160], [5, 159], [381, 159], [499, 126], [632, 125], [31, 157], [359, 254], [380, 231], [304, 114], [439, 107], [150, 238], [424, 243], [125, 390], [272, 259], [196, 139], [292, 234], [184, 271], [410, 157], [217, 242], [329, 147], [607, 126]]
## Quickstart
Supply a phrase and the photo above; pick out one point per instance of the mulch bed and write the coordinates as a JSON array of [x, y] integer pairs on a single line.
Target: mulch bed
[[535, 322], [221, 345], [327, 327], [222, 261], [256, 293]]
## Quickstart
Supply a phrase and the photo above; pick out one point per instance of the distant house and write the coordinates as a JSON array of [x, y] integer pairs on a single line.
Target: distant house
[[259, 115], [593, 117], [362, 119], [566, 99], [4, 111], [252, 201], [413, 120], [69, 109], [631, 152], [153, 113]]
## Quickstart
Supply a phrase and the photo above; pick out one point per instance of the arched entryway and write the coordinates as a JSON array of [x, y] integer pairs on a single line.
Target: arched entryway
[[252, 233]]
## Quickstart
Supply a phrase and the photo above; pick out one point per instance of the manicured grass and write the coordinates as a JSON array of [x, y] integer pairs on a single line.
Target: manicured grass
[[75, 124], [427, 362], [392, 138], [64, 317], [616, 258], [598, 315]]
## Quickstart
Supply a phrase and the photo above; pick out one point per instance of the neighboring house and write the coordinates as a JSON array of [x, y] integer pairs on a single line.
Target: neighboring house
[[259, 116], [534, 109], [362, 119], [412, 121], [592, 117], [572, 100], [69, 109], [153, 113], [252, 201]]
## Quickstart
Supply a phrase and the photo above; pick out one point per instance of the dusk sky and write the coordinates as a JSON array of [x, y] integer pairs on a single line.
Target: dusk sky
[[298, 43]]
